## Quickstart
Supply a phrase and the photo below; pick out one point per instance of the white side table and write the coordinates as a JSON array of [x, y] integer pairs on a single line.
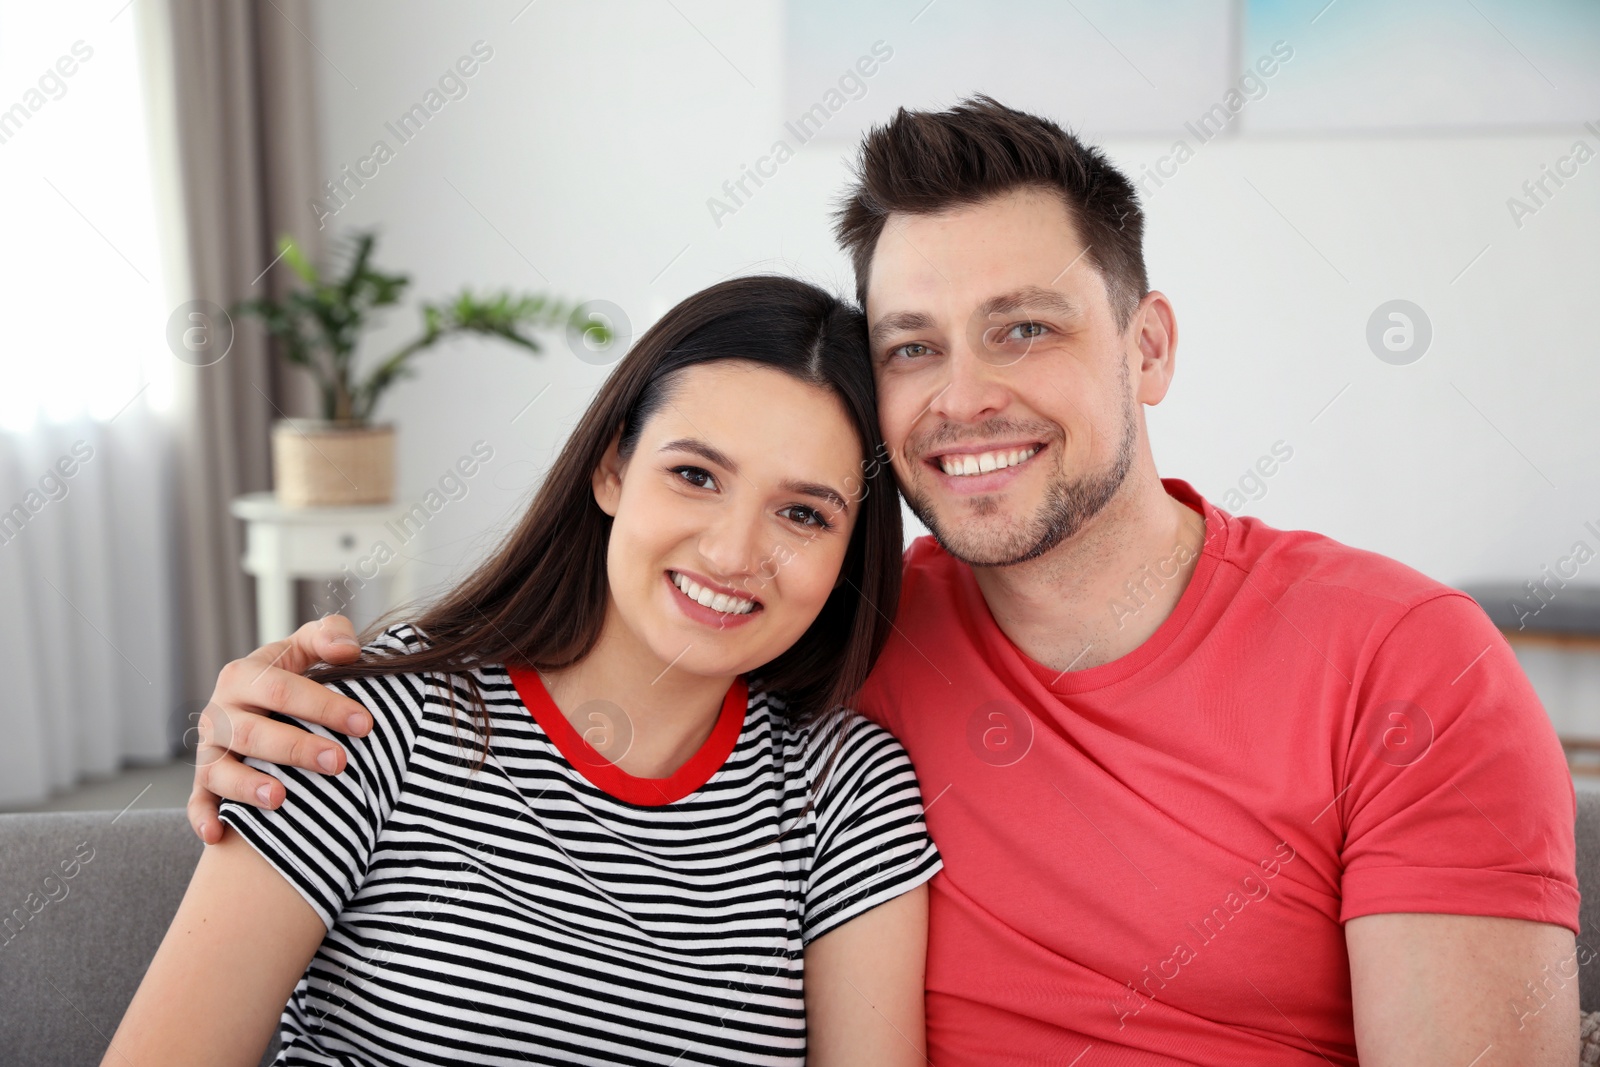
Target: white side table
[[356, 545]]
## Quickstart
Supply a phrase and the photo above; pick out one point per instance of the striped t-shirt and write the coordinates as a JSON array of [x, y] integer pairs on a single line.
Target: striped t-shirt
[[547, 908]]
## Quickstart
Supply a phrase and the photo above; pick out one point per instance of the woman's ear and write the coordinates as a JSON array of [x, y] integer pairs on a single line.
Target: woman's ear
[[607, 478]]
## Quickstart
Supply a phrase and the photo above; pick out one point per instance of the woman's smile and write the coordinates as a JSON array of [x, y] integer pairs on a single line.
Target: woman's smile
[[708, 603]]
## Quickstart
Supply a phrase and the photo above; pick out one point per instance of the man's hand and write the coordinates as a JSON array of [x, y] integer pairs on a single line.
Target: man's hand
[[235, 723]]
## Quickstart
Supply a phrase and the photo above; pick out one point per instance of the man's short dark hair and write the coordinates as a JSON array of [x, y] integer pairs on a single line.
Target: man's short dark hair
[[926, 162]]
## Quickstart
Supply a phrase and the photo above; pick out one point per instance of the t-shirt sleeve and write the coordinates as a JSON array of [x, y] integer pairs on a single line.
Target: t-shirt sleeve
[[872, 843], [1460, 801], [321, 837]]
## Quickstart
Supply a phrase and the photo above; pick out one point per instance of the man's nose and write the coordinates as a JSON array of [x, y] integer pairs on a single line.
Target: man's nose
[[975, 385]]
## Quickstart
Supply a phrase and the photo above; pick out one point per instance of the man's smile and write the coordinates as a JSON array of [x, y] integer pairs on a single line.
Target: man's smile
[[983, 468]]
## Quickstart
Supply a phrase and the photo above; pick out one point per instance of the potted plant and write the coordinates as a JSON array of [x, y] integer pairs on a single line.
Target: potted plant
[[344, 457]]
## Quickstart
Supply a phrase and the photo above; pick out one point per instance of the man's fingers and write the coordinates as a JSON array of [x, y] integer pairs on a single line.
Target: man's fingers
[[230, 779], [250, 686], [330, 639], [235, 721], [228, 735], [335, 638], [202, 809]]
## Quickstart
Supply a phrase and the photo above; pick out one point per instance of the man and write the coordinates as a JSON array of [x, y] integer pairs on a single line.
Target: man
[[1207, 792]]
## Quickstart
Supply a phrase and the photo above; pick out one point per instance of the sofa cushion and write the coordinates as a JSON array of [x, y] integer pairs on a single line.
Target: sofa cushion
[[85, 898]]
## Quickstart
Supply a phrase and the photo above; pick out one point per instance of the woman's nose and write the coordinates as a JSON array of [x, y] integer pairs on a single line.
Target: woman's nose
[[732, 546]]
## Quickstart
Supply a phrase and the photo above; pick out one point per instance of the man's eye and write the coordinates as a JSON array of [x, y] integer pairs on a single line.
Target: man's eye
[[698, 477], [1027, 331], [914, 350], [807, 516]]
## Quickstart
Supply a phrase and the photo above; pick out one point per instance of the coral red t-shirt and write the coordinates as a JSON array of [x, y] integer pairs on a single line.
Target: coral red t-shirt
[[1150, 860]]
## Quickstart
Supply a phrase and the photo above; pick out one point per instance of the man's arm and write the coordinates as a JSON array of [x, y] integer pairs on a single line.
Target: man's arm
[[864, 987], [235, 723], [1450, 990]]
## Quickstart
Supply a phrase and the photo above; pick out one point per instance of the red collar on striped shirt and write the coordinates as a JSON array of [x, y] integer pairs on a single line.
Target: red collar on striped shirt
[[649, 792]]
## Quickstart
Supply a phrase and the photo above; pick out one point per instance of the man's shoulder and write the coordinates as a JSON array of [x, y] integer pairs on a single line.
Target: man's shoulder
[[1324, 570], [928, 619], [1269, 557]]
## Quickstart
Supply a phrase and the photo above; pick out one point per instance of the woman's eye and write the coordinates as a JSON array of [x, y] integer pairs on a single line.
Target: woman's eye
[[698, 477], [807, 516]]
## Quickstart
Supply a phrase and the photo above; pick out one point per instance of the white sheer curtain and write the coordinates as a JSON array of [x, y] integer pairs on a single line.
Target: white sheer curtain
[[86, 385]]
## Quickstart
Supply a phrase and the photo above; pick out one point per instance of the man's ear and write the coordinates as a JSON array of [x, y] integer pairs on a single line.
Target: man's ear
[[607, 478], [1155, 335]]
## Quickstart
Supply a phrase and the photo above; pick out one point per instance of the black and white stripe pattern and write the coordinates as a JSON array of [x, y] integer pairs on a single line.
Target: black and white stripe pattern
[[518, 914]]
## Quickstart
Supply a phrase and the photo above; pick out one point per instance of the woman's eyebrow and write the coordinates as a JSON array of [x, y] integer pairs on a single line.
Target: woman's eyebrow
[[819, 491], [697, 447], [707, 452]]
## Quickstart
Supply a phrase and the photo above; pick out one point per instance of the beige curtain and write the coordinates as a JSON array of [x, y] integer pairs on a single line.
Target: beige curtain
[[244, 86]]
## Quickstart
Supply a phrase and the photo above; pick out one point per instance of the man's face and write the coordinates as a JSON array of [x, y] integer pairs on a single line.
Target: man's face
[[1006, 392]]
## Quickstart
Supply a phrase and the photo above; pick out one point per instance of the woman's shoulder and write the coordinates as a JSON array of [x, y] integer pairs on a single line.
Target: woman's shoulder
[[399, 639], [841, 744], [395, 694], [870, 840]]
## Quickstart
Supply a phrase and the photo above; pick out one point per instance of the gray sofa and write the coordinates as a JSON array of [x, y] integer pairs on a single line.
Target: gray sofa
[[69, 968]]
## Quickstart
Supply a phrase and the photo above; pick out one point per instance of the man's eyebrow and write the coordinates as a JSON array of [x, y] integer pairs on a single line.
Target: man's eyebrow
[[697, 447], [1029, 297], [900, 321]]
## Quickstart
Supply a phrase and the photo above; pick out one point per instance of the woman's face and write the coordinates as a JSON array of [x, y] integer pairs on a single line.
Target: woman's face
[[732, 517]]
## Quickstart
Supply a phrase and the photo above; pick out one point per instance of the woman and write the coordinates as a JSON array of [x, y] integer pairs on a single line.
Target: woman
[[610, 810]]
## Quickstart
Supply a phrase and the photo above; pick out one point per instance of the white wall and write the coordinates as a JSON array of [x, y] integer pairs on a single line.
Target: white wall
[[592, 139]]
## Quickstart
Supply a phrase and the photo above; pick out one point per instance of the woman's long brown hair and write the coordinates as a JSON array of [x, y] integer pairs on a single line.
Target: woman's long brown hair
[[540, 599]]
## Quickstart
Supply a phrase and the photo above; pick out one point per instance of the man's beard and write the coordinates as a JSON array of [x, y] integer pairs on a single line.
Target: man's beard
[[1068, 506]]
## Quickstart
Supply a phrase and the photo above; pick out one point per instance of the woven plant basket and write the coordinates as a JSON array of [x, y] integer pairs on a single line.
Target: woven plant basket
[[317, 463]]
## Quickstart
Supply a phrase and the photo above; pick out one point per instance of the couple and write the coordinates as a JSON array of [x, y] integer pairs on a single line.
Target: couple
[[1203, 791]]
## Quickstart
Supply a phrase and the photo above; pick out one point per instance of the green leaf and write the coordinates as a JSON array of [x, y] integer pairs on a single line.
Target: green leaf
[[592, 328], [292, 255], [320, 326]]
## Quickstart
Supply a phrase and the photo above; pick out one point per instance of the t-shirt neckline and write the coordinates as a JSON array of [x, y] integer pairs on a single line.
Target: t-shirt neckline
[[584, 758], [1212, 550]]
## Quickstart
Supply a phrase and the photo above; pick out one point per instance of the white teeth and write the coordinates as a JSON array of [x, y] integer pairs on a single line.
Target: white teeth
[[723, 602], [983, 462]]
